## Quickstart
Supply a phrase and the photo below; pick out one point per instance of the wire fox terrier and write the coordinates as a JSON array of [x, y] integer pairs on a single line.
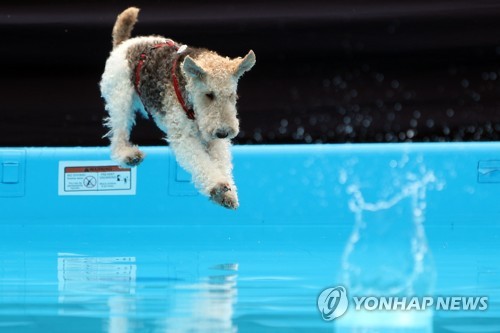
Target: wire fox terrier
[[190, 93]]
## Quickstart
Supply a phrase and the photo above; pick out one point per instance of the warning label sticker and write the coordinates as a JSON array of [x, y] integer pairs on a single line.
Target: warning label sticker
[[95, 178]]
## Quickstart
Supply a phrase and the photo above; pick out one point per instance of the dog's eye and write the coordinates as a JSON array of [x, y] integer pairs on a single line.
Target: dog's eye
[[210, 96]]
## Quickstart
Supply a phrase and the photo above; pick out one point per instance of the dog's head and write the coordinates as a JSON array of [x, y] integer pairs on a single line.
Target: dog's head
[[212, 81]]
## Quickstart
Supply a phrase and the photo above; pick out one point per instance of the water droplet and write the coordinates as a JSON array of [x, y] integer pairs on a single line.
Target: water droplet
[[257, 136], [379, 77], [342, 176], [395, 84], [476, 97], [337, 80]]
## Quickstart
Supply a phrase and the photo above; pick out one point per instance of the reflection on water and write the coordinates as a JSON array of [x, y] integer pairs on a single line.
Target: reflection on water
[[82, 279], [201, 307], [210, 306], [78, 274]]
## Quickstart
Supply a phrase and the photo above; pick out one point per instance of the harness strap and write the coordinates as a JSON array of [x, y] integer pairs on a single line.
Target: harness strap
[[170, 43], [138, 69], [177, 89]]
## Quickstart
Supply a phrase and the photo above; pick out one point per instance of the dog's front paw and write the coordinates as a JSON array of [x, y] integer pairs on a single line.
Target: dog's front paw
[[224, 196], [129, 156]]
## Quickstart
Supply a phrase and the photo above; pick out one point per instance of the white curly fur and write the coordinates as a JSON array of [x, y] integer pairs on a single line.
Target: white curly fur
[[194, 143]]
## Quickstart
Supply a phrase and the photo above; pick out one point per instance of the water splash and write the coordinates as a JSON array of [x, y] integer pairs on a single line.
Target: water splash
[[387, 251]]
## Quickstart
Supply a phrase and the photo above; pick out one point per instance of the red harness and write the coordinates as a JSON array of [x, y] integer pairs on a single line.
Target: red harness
[[170, 43]]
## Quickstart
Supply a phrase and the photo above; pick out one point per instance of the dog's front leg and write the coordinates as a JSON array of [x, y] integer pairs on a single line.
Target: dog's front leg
[[208, 177], [220, 153]]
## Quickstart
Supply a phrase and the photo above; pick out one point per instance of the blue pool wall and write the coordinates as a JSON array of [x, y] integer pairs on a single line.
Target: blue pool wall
[[277, 185]]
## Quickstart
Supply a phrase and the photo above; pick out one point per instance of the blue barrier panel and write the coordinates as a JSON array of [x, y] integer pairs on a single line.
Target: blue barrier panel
[[277, 184]]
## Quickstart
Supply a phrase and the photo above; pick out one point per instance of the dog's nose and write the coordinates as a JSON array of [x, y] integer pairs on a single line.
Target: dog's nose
[[222, 134]]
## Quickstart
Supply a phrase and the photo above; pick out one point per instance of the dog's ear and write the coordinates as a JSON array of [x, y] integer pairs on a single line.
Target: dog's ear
[[193, 69], [245, 65]]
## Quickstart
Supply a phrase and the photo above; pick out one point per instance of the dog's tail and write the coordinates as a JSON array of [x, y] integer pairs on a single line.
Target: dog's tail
[[124, 25]]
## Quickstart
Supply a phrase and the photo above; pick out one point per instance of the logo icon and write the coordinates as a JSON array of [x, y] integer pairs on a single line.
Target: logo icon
[[89, 182], [332, 303]]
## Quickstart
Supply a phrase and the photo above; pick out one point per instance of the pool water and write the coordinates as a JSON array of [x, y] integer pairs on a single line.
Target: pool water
[[160, 279], [400, 221], [195, 279]]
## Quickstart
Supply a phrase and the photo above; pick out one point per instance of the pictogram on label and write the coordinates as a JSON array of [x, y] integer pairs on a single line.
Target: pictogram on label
[[95, 178]]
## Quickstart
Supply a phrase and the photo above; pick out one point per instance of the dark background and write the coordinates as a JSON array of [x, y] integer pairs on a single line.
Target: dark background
[[327, 71]]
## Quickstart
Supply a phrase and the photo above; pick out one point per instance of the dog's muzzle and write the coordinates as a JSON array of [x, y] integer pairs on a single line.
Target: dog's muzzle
[[225, 133], [221, 134]]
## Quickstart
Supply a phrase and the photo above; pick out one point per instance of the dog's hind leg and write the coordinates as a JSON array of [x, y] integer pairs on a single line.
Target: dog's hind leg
[[120, 106], [120, 122], [121, 99]]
